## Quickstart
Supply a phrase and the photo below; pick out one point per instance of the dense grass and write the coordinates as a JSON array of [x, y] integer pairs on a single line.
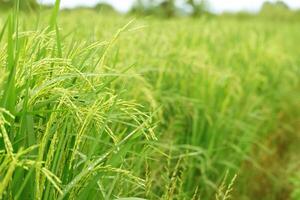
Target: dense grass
[[150, 108]]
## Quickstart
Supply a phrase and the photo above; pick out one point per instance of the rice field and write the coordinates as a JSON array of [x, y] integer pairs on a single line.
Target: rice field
[[107, 106]]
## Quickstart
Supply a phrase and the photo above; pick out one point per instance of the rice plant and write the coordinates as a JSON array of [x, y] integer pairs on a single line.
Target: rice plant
[[142, 109]]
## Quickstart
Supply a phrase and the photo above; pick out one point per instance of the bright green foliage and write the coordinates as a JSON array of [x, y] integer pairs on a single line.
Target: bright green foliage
[[145, 109]]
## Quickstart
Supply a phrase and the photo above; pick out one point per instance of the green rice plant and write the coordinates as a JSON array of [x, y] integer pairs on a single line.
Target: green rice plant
[[62, 126], [224, 192], [116, 108]]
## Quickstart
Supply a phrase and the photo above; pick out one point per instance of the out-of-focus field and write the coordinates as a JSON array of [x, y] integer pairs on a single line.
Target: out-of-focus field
[[148, 107]]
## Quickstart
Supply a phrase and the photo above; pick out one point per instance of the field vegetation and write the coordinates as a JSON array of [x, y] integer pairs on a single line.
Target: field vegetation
[[98, 105]]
